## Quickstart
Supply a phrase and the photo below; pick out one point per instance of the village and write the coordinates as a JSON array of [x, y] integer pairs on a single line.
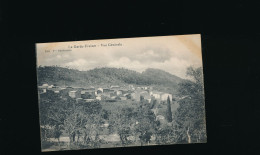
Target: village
[[111, 93], [108, 96]]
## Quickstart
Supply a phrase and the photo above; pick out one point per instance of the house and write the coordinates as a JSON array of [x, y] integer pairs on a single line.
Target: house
[[51, 86], [75, 94], [100, 89], [130, 87], [107, 94], [87, 94], [123, 91], [160, 96], [56, 91], [137, 93], [41, 89], [98, 97], [106, 90], [45, 85], [112, 94], [132, 95], [105, 125], [48, 93], [64, 92], [145, 94], [156, 95], [115, 87], [119, 92], [123, 98], [113, 97], [82, 92]]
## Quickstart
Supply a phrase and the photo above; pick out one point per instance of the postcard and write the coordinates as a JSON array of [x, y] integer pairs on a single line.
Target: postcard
[[121, 92]]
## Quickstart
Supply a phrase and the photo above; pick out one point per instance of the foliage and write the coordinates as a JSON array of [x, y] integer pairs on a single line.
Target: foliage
[[169, 110], [101, 76], [75, 119], [134, 122], [190, 115], [122, 122], [146, 123]]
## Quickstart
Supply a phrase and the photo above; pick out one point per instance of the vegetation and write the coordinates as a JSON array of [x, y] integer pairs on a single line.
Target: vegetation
[[190, 116], [102, 76], [133, 122], [169, 110]]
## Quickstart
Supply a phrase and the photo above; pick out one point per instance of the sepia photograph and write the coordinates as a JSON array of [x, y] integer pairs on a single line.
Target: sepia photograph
[[121, 92]]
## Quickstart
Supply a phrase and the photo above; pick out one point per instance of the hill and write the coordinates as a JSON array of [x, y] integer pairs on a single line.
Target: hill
[[104, 77]]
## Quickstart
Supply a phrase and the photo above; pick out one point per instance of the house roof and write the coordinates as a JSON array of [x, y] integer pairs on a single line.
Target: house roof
[[114, 86]]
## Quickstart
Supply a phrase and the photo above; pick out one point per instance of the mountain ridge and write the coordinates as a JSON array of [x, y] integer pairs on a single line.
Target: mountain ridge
[[104, 76]]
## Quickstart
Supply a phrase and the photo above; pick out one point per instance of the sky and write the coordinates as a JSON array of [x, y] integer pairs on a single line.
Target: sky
[[172, 54]]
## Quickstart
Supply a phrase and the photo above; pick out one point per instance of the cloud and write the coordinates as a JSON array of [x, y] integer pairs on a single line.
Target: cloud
[[145, 55], [171, 54]]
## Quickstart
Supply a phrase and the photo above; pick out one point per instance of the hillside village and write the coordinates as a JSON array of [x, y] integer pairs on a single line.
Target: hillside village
[[113, 114], [112, 93]]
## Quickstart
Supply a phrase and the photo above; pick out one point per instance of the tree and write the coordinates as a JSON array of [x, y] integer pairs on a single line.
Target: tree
[[146, 124], [190, 115], [122, 122], [169, 110], [75, 119]]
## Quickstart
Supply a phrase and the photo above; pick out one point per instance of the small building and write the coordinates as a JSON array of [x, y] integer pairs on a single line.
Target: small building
[[145, 94], [75, 94], [123, 91], [130, 87], [112, 94], [64, 92], [56, 91], [115, 87], [107, 94], [51, 86], [113, 97], [156, 95], [98, 98], [105, 125], [123, 98], [41, 89], [119, 92], [106, 90], [88, 94], [45, 85], [100, 89]]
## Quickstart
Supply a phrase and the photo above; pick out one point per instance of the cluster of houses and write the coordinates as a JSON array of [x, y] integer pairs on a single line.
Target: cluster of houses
[[110, 94]]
